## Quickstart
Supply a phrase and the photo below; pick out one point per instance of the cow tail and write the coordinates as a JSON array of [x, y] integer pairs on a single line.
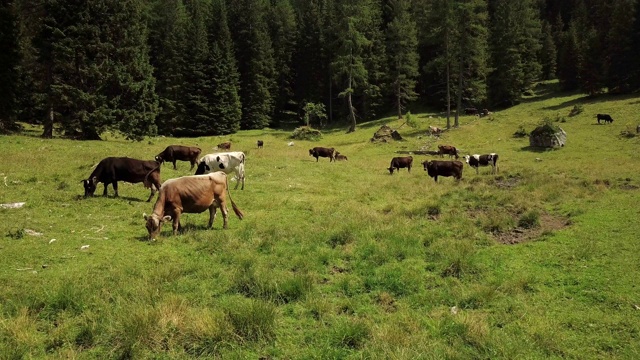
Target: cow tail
[[236, 210], [146, 177]]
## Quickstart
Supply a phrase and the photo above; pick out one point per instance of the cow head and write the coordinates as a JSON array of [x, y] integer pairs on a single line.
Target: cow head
[[202, 168], [89, 186], [310, 152], [159, 158], [466, 158], [391, 170], [154, 224]]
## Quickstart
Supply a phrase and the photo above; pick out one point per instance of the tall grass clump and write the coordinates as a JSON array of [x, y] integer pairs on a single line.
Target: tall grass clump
[[349, 333], [252, 319], [530, 219]]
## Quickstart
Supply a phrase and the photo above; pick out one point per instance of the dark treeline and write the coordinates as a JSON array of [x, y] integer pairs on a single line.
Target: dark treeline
[[211, 67]]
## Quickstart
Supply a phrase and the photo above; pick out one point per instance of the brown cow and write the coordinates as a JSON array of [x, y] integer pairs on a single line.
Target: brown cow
[[437, 168], [447, 149], [260, 144], [178, 152], [318, 152], [113, 169], [339, 157], [224, 145], [190, 194], [398, 163]]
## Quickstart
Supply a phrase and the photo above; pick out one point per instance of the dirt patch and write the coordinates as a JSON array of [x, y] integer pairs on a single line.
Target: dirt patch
[[548, 223], [508, 182]]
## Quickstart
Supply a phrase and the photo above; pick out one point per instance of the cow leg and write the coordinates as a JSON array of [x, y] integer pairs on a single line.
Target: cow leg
[[174, 165], [152, 193], [435, 178], [477, 170], [176, 222], [115, 188], [225, 215], [212, 215], [104, 193]]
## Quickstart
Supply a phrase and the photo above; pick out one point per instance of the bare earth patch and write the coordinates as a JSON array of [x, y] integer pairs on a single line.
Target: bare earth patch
[[548, 223]]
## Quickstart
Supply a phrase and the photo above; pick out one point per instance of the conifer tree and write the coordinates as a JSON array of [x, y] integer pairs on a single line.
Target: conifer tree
[[9, 61], [168, 39], [402, 44], [254, 54], [371, 99], [548, 53], [619, 63], [224, 99]]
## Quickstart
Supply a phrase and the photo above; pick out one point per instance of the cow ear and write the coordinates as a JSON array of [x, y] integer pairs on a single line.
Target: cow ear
[[145, 216], [94, 180], [166, 218]]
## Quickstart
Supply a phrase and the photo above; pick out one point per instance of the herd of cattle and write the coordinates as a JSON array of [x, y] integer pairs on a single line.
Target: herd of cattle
[[208, 188]]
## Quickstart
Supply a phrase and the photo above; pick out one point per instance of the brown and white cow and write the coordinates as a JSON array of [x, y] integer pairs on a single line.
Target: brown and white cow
[[447, 149], [224, 146], [437, 168], [400, 162], [190, 194], [318, 152], [113, 169], [178, 152], [475, 161]]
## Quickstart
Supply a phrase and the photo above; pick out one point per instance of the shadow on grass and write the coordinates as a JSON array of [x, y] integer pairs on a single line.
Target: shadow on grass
[[535, 149], [587, 99]]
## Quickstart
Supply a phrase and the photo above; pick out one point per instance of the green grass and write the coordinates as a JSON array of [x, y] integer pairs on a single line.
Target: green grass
[[337, 260]]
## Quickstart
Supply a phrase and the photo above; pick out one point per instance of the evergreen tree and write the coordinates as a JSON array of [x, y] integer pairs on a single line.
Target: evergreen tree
[[348, 65], [254, 54], [619, 63], [634, 34], [569, 59], [371, 98], [548, 53], [515, 42], [9, 61], [224, 98], [283, 34], [402, 43], [167, 39]]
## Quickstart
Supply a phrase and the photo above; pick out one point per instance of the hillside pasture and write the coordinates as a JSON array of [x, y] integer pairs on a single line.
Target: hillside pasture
[[336, 260]]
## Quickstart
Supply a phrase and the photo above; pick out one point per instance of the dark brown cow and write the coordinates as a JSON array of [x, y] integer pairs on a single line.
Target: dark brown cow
[[447, 149], [437, 168], [190, 194], [339, 157], [113, 169], [400, 162], [178, 152], [318, 152], [604, 117], [260, 144], [471, 111], [224, 145]]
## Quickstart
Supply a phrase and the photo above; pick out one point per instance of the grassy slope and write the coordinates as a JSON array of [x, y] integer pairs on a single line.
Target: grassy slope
[[334, 260]]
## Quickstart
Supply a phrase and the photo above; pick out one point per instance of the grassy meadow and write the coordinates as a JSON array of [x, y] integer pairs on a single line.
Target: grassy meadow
[[336, 260]]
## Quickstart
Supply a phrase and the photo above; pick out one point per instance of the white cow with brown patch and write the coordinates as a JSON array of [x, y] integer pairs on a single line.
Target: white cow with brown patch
[[190, 194]]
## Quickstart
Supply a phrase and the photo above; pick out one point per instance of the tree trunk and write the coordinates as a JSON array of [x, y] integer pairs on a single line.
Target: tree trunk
[[459, 100], [446, 41], [352, 113], [47, 132], [399, 104]]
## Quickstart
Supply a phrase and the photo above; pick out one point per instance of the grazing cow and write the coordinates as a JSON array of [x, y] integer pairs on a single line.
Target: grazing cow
[[475, 161], [190, 194], [178, 152], [113, 169], [318, 152], [471, 111], [339, 157], [224, 146], [604, 117], [434, 130], [398, 163], [485, 112], [447, 149], [437, 168], [227, 162], [260, 144]]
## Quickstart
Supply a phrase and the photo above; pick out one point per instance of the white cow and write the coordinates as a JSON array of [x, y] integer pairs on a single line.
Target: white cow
[[227, 162]]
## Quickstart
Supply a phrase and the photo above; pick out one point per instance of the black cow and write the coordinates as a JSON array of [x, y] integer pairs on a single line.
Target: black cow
[[398, 163], [178, 152], [471, 111], [318, 152], [604, 117], [113, 169], [475, 161], [260, 144], [437, 168]]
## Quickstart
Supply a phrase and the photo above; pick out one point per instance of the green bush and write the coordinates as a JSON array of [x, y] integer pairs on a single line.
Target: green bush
[[577, 109], [529, 219], [520, 133], [306, 133]]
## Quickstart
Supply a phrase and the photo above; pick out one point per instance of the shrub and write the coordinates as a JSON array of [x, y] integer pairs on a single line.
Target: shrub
[[306, 133], [520, 133], [546, 127], [529, 219]]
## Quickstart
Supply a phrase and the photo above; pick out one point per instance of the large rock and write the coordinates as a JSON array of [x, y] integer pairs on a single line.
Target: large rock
[[547, 136], [385, 134]]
